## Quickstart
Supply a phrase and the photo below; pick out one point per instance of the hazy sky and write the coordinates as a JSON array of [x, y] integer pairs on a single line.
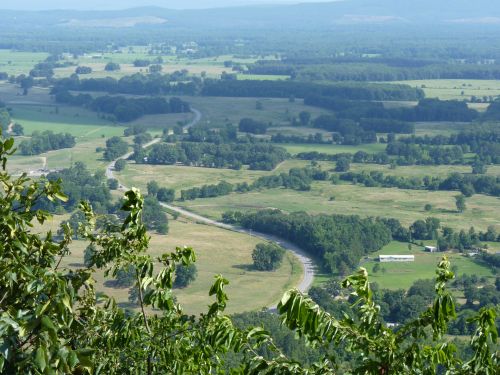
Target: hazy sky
[[121, 4]]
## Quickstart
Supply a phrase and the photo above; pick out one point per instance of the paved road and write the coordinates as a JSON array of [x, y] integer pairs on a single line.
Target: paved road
[[306, 261]]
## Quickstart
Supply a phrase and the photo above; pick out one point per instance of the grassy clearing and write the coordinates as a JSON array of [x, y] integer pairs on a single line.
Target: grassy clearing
[[295, 149], [221, 110], [443, 128], [422, 170], [404, 274], [12, 94], [15, 63], [405, 205], [448, 89], [179, 177], [218, 252]]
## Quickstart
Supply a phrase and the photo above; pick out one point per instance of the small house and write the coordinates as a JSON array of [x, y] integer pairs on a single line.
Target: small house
[[431, 249]]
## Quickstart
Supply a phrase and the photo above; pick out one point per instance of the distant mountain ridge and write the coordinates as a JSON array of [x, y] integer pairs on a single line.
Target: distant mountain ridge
[[305, 15]]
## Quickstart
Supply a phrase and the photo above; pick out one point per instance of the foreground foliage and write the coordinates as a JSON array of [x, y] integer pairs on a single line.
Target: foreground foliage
[[52, 321]]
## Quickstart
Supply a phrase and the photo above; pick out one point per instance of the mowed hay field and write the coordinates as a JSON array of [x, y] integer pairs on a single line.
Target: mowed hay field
[[448, 89], [401, 275], [405, 205], [218, 251]]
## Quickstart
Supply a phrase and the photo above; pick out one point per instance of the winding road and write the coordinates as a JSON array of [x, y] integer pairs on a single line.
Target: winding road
[[304, 259]]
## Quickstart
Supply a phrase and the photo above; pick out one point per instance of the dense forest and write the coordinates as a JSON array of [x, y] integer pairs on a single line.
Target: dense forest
[[44, 141]]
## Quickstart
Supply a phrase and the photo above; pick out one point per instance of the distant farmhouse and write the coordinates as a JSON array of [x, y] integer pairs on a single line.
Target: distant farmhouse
[[396, 258], [431, 249]]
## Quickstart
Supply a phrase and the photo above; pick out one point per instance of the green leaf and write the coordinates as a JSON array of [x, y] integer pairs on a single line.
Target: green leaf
[[40, 359]]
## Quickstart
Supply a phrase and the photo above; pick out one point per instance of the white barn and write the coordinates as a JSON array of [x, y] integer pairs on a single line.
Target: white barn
[[431, 249], [396, 258]]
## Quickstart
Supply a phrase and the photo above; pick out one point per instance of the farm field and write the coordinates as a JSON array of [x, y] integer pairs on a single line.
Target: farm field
[[371, 148], [218, 251], [401, 275], [16, 62], [447, 89], [219, 110], [211, 67], [405, 205], [180, 177]]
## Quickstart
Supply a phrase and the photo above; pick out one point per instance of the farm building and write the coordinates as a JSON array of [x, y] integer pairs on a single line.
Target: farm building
[[431, 249], [396, 258]]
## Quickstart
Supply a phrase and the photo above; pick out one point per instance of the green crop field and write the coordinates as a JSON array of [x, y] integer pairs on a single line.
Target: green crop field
[[447, 89], [15, 63], [218, 251], [401, 275], [405, 205]]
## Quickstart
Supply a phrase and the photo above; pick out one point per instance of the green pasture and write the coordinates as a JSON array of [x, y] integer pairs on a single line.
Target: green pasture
[[220, 110], [457, 89], [331, 149], [405, 205], [218, 251], [401, 275], [15, 63]]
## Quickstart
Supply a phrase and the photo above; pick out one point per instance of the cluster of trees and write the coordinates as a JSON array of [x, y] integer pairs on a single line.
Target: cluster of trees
[[358, 157], [485, 143], [207, 191], [225, 133], [122, 108], [47, 140], [163, 194], [347, 131], [83, 70], [259, 156], [112, 67], [136, 84], [115, 147], [267, 256], [411, 153], [80, 184], [185, 275], [249, 125], [339, 241], [316, 138], [287, 89]]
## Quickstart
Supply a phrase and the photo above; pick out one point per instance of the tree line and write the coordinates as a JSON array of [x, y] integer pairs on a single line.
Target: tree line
[[124, 109], [44, 141], [287, 89], [339, 241], [259, 156], [466, 184]]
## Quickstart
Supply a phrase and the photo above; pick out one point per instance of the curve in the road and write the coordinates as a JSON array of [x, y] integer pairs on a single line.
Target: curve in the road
[[302, 256]]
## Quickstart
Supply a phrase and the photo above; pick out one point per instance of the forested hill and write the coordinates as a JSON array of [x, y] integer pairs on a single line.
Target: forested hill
[[307, 15]]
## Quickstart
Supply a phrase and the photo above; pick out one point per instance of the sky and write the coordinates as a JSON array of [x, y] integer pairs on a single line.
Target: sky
[[123, 4]]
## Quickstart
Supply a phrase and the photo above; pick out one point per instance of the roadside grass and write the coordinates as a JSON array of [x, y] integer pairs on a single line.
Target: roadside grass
[[448, 89], [218, 251], [405, 205], [401, 275]]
